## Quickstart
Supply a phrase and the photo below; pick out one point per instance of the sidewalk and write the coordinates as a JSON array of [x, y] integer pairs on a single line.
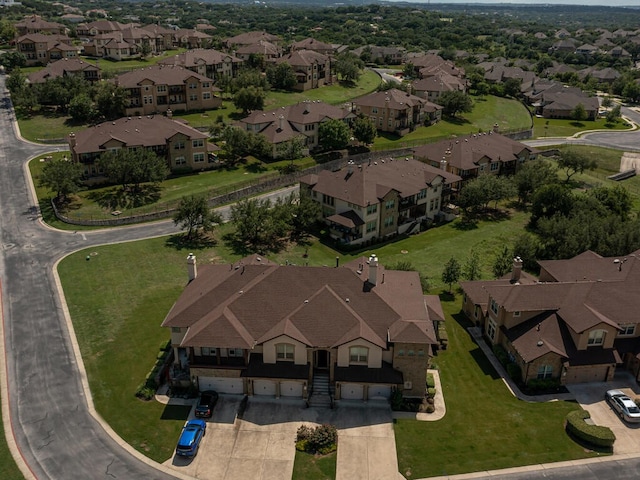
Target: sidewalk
[[440, 407]]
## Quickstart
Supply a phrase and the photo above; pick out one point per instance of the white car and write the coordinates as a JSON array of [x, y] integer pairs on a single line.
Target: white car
[[623, 405]]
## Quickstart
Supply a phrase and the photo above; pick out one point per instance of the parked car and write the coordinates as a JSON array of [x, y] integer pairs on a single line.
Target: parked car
[[207, 402], [190, 438], [623, 405]]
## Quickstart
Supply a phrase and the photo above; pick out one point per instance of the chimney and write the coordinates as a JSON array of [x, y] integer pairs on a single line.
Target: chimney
[[409, 89], [496, 128], [169, 113], [72, 140], [192, 268], [443, 164], [517, 270], [373, 269], [280, 122]]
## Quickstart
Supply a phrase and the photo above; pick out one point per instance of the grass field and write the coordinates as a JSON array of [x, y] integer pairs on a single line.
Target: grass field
[[8, 468], [311, 467], [556, 127]]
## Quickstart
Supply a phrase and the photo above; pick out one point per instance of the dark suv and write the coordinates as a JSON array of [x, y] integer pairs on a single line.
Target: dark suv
[[208, 400]]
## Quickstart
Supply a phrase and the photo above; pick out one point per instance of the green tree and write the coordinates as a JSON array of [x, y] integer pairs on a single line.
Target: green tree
[[364, 130], [607, 101], [111, 100], [348, 67], [573, 162], [251, 220], [616, 199], [613, 115], [579, 113], [334, 134], [7, 31], [454, 102], [81, 108], [305, 213], [512, 87], [502, 262], [145, 49], [549, 200], [282, 76], [133, 167], [12, 59], [239, 143], [451, 272], [526, 246], [291, 149], [472, 270], [531, 176], [249, 98], [61, 176], [17, 82], [631, 91], [195, 216]]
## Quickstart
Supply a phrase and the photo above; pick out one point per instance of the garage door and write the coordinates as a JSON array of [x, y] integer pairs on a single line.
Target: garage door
[[291, 389], [264, 387], [596, 373], [351, 391], [221, 384], [378, 392]]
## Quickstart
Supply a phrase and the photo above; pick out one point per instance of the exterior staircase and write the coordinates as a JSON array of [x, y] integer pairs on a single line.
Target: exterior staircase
[[321, 393]]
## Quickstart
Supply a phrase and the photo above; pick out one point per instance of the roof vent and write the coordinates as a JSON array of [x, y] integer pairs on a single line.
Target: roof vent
[[540, 343], [306, 301]]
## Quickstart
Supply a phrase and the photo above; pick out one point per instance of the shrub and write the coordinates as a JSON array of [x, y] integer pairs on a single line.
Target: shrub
[[323, 439], [430, 408], [591, 434], [396, 400], [431, 392], [145, 393], [513, 370], [501, 355], [543, 385], [431, 383]]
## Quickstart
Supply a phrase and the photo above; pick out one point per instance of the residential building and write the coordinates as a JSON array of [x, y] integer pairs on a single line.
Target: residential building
[[369, 202], [378, 54], [576, 322], [587, 49], [312, 69], [392, 110], [313, 45], [183, 147], [561, 103], [476, 154], [301, 120], [40, 49], [159, 88], [602, 75], [36, 24], [100, 27], [263, 48], [353, 332], [430, 64], [210, 63], [188, 38], [430, 88], [65, 67], [250, 38]]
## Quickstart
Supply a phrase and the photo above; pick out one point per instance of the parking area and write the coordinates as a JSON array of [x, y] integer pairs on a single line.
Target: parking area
[[591, 398], [261, 445]]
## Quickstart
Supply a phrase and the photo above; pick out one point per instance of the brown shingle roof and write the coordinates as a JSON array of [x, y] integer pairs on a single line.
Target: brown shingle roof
[[192, 58], [393, 98], [239, 307], [60, 68], [159, 74]]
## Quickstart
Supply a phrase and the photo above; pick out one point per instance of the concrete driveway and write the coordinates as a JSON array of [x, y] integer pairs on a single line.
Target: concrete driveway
[[591, 398], [261, 445]]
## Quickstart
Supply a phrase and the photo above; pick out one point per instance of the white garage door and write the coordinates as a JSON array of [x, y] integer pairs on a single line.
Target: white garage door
[[291, 389], [264, 387], [221, 384], [351, 391], [379, 392]]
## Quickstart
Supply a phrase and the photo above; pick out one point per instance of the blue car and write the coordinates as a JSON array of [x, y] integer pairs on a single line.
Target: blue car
[[189, 441]]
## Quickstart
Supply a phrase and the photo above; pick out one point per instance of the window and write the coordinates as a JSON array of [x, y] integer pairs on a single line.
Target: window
[[178, 145], [358, 354], [374, 110], [422, 194], [495, 166], [206, 96], [181, 160], [388, 222], [198, 157], [205, 84], [148, 100], [494, 306], [209, 351], [327, 199], [401, 352], [235, 352], [161, 88], [193, 86], [628, 329], [175, 329], [371, 226], [596, 337], [389, 204], [545, 371], [482, 167], [431, 203], [371, 209], [411, 353], [491, 329], [284, 351], [198, 143], [516, 313], [193, 97]]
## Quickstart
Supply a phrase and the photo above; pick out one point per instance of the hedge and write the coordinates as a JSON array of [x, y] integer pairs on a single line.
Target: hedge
[[431, 382], [592, 434]]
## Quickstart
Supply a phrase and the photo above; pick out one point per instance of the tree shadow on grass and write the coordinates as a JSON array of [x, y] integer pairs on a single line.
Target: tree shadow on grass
[[457, 120], [198, 241], [117, 198], [175, 412], [577, 124]]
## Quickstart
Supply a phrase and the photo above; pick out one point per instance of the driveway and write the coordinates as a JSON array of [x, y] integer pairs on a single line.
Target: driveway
[[261, 445], [591, 398]]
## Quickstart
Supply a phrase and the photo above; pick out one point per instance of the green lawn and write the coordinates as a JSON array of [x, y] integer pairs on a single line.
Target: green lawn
[[556, 127], [8, 468], [311, 467], [485, 427]]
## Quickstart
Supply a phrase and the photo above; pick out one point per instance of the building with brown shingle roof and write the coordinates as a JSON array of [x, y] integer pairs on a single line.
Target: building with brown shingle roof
[[36, 24], [242, 329], [313, 45], [181, 145], [65, 67], [575, 323], [160, 88], [472, 155], [250, 38], [368, 202], [312, 69], [208, 62], [40, 49]]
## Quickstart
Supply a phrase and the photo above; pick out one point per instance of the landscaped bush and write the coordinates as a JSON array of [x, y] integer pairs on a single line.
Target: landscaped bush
[[537, 385], [431, 392], [501, 354], [431, 382], [513, 370], [147, 389], [592, 434], [323, 439]]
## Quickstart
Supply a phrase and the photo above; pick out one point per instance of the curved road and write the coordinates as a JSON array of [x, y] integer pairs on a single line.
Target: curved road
[[51, 419]]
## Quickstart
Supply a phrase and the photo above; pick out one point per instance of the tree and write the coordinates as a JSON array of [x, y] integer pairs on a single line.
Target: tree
[[251, 220], [613, 115], [145, 49], [409, 70], [607, 101], [616, 199], [454, 102], [512, 87], [61, 176], [239, 143], [348, 66], [631, 91], [133, 167], [249, 98], [364, 130], [81, 108], [472, 269], [579, 113], [282, 76], [526, 246], [12, 59], [195, 215], [502, 262], [572, 162], [305, 213], [531, 176], [17, 82], [549, 200], [111, 100], [451, 272], [334, 134], [291, 149]]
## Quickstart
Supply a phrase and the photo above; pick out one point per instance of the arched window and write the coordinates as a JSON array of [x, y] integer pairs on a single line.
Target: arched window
[[284, 351], [358, 354]]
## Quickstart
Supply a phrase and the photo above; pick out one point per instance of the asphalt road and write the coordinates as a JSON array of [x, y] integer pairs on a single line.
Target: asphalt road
[[51, 419]]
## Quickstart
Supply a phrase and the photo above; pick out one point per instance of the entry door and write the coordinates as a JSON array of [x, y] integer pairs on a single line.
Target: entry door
[[322, 359]]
